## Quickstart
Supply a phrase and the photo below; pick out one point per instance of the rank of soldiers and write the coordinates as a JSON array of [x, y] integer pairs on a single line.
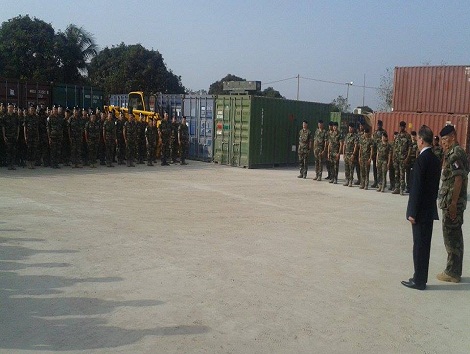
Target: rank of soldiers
[[76, 137]]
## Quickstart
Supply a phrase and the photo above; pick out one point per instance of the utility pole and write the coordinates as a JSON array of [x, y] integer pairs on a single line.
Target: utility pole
[[298, 86], [364, 92]]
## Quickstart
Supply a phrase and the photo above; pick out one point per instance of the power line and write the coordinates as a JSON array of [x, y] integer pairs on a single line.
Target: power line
[[319, 80], [273, 82]]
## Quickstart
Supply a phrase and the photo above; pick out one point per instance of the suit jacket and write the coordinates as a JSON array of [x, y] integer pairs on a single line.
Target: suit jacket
[[425, 178]]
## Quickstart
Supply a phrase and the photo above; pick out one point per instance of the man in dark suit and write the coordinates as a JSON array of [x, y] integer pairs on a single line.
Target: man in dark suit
[[422, 208]]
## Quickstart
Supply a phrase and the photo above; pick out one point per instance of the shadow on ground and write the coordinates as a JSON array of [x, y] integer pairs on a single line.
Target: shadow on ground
[[34, 314]]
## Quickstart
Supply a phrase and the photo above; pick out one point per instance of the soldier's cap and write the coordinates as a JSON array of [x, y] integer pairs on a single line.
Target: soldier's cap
[[10, 104], [402, 124], [54, 106], [32, 105], [304, 121], [385, 135], [447, 130], [351, 124], [320, 121], [379, 122], [413, 133], [395, 133], [67, 110], [330, 123]]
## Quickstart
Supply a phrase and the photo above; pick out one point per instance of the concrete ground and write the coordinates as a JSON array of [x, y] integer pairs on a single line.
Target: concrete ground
[[213, 259]]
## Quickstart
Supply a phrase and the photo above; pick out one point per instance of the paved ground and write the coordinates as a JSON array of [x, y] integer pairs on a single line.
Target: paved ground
[[212, 259]]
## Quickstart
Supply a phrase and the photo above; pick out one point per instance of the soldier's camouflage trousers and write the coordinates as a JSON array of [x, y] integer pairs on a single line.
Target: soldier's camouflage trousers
[[165, 149], [334, 165], [400, 175], [303, 162], [109, 146], [11, 150], [56, 145], [453, 241], [174, 149], [382, 172], [365, 170], [131, 149], [32, 149], [184, 150], [121, 149], [319, 159], [348, 167], [76, 150], [151, 153], [93, 150]]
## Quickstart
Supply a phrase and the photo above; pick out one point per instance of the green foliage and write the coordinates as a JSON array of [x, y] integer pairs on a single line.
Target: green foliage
[[340, 104], [126, 68], [27, 49], [270, 92]]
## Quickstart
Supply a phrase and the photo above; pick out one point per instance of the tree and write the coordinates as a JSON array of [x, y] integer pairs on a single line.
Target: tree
[[75, 48], [216, 88], [27, 49], [385, 91], [269, 92], [126, 68], [340, 104]]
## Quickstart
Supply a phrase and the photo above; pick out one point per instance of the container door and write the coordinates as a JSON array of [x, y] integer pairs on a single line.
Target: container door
[[222, 139]]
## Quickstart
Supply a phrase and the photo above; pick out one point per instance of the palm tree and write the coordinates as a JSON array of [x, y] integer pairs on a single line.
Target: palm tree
[[75, 48]]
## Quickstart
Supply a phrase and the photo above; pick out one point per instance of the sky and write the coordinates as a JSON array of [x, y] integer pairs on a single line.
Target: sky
[[337, 41]]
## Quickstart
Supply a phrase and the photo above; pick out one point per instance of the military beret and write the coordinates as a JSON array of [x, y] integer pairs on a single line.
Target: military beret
[[385, 135], [10, 104], [395, 133], [379, 122], [304, 121], [447, 130], [67, 110], [330, 123], [402, 124], [436, 138], [351, 124], [320, 121], [413, 133], [54, 106]]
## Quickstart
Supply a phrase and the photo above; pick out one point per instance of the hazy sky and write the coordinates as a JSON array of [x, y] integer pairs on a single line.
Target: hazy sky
[[335, 40]]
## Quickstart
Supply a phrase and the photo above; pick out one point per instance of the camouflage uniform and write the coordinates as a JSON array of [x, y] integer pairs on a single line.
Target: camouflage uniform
[[66, 146], [75, 134], [305, 141], [455, 164], [121, 143], [165, 134], [402, 146], [10, 127], [141, 144], [383, 157], [109, 136], [319, 142], [93, 132], [131, 134], [438, 151], [377, 138], [365, 149], [334, 144], [31, 127], [55, 132], [183, 132], [350, 142], [410, 163], [174, 142], [151, 139]]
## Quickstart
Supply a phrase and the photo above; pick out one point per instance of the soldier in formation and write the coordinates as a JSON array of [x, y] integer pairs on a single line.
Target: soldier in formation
[[437, 149], [31, 135], [92, 136], [141, 140], [305, 145], [453, 202], [110, 138], [121, 143], [174, 146], [55, 132], [319, 146], [75, 136], [151, 136], [335, 141], [349, 152], [10, 132], [383, 158], [365, 157], [164, 133], [401, 153], [183, 140], [377, 138]]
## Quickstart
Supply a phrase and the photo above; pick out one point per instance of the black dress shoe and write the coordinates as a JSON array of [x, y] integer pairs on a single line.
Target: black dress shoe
[[411, 284]]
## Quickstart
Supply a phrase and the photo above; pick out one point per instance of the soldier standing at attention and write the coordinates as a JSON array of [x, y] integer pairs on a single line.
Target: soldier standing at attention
[[174, 140], [349, 151], [305, 145], [121, 143], [335, 141], [151, 141], [130, 136], [66, 147], [2, 143], [383, 158], [75, 134], [183, 140], [141, 141], [110, 138], [55, 133], [437, 149], [453, 202], [21, 148], [365, 157], [92, 136], [11, 132], [31, 135], [164, 133], [393, 163], [377, 137], [327, 158], [411, 160], [319, 146], [401, 153], [101, 118]]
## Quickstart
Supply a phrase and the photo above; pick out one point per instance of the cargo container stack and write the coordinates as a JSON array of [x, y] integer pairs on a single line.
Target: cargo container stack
[[431, 95]]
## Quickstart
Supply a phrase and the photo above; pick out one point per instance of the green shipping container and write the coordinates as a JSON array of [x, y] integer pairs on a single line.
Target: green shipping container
[[253, 131], [73, 95]]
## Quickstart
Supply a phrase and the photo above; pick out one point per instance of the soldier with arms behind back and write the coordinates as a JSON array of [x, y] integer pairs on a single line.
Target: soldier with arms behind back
[[305, 145]]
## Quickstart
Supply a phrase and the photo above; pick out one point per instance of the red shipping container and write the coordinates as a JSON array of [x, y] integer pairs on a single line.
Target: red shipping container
[[435, 121], [437, 89]]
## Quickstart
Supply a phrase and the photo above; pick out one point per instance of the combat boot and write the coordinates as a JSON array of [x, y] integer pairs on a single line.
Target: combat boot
[[128, 163], [300, 176], [319, 177], [366, 186], [396, 191], [374, 185], [448, 278], [331, 180], [350, 183], [402, 192], [316, 177], [335, 181], [346, 182]]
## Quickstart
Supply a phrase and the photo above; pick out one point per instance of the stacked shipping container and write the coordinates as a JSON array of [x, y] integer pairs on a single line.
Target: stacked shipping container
[[431, 95]]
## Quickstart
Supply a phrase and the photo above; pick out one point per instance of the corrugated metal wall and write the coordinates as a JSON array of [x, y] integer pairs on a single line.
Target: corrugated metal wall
[[437, 89]]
